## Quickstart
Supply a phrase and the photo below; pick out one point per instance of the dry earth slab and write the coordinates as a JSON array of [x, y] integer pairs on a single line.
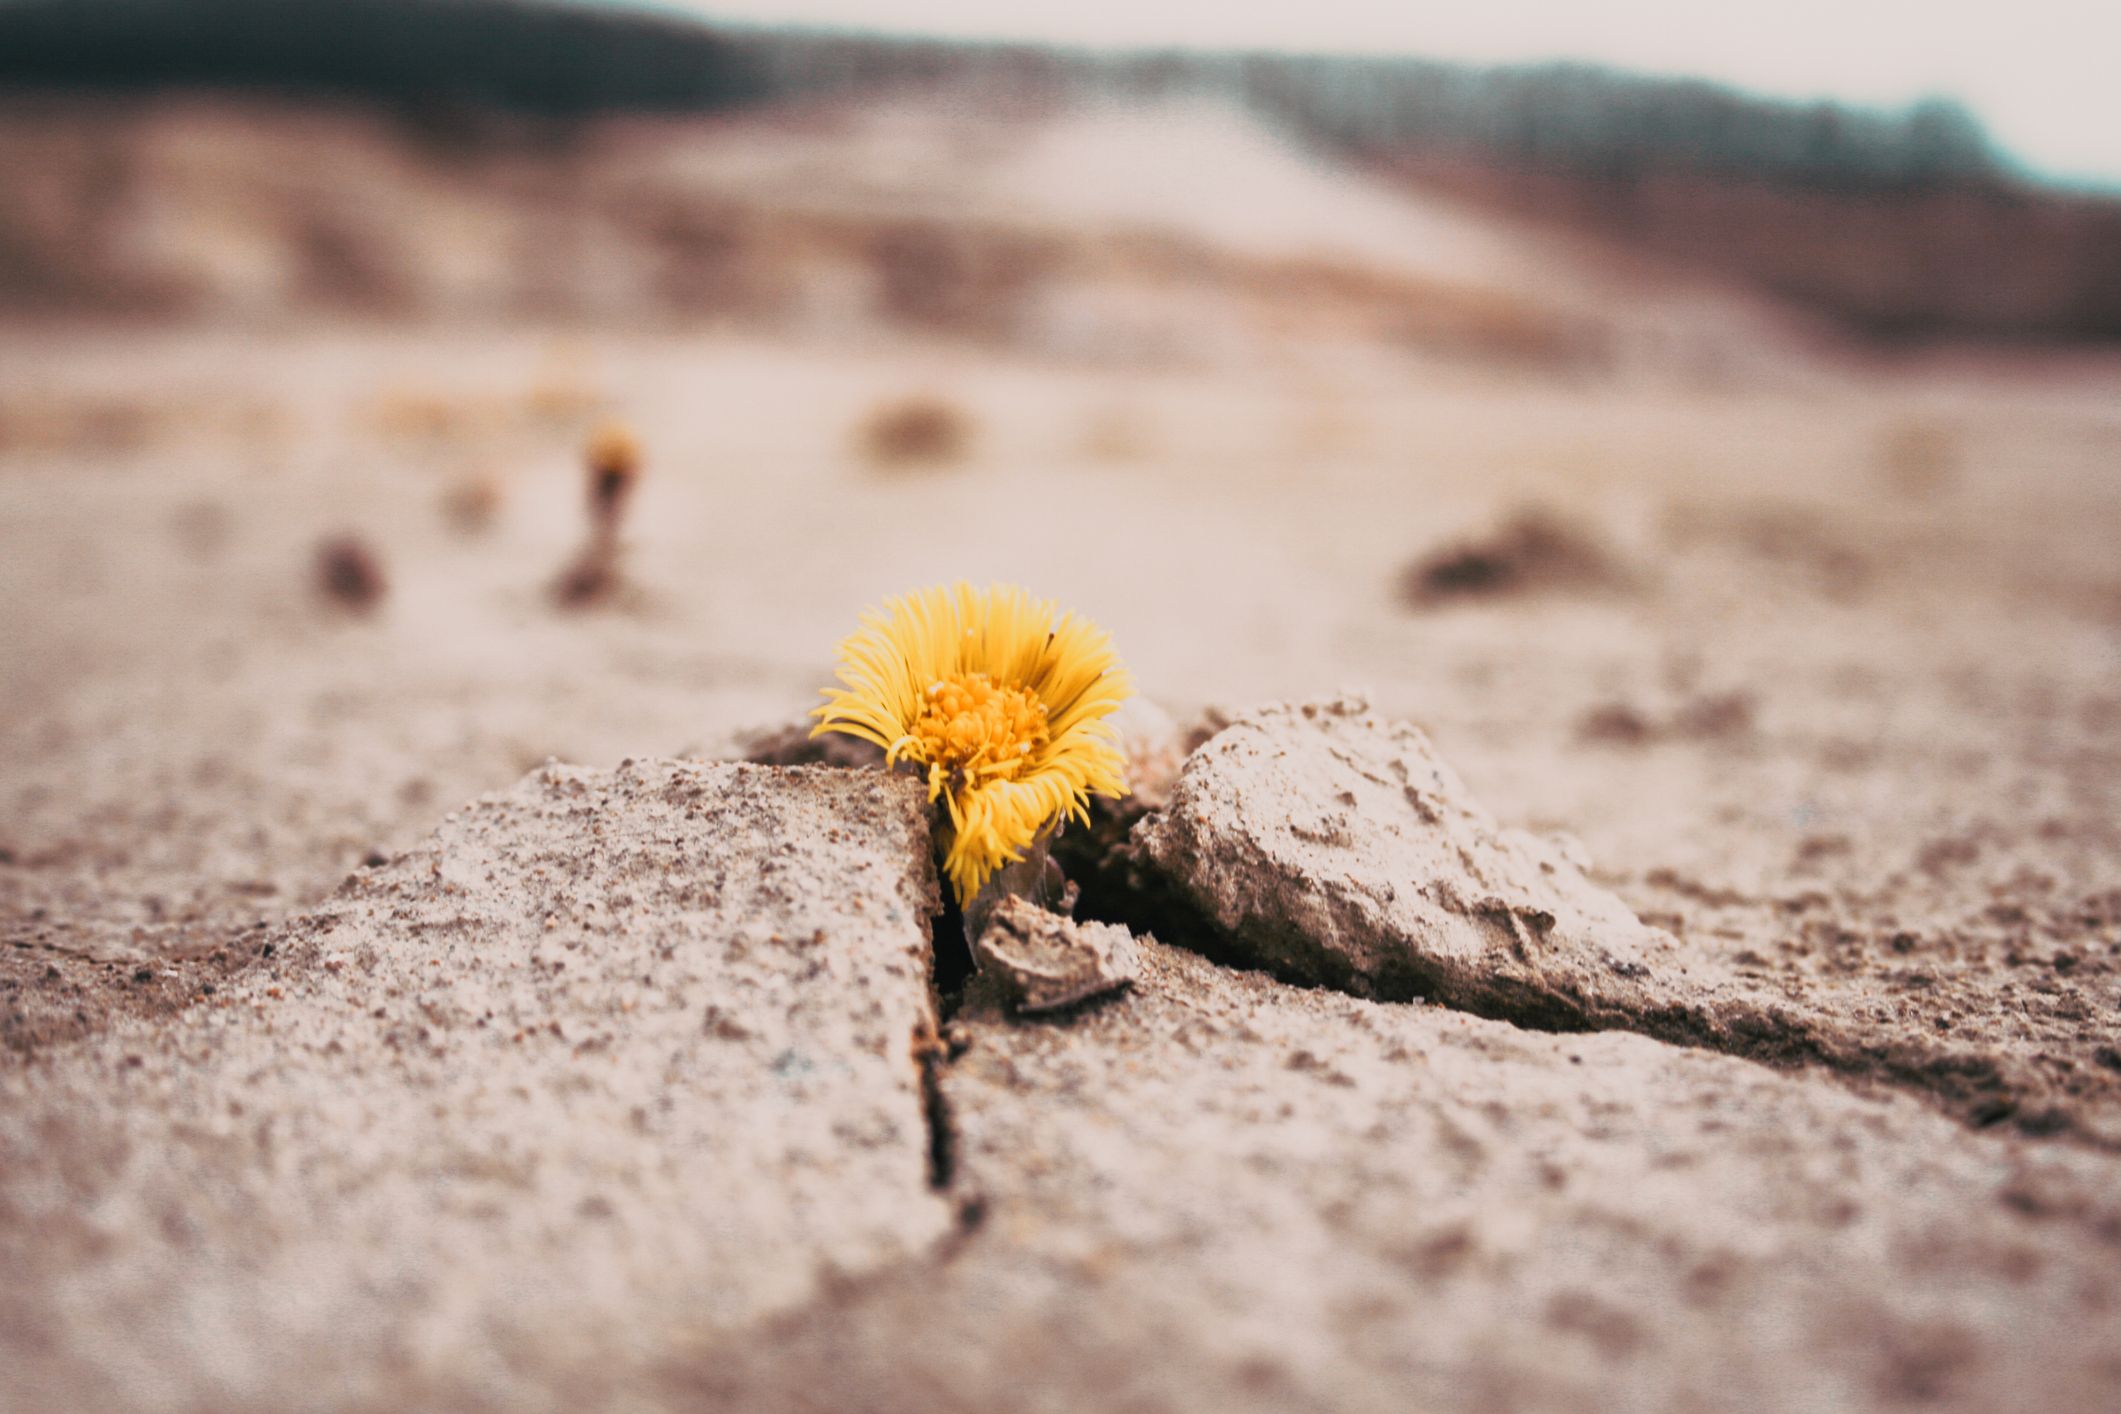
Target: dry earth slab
[[615, 1058], [1221, 1191], [1332, 847]]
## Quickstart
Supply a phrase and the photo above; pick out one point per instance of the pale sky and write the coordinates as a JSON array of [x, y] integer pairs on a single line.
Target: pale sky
[[2044, 75]]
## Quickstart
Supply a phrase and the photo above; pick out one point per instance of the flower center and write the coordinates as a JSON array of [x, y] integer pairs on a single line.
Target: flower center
[[980, 728]]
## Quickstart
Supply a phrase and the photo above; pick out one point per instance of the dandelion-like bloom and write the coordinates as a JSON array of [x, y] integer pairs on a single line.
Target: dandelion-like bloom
[[614, 458], [1001, 698]]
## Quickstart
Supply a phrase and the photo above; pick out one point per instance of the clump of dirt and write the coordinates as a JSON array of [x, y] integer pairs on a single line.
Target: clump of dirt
[[350, 573], [585, 581], [1719, 716], [1035, 960], [1535, 551], [922, 431]]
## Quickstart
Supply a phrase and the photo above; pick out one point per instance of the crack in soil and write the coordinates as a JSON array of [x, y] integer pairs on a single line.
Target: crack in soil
[[1972, 1087], [931, 1053], [950, 968]]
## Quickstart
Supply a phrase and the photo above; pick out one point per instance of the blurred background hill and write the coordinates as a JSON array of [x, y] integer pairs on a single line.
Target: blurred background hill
[[492, 157]]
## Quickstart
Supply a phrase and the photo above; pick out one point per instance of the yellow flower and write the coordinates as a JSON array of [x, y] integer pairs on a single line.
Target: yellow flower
[[1000, 699]]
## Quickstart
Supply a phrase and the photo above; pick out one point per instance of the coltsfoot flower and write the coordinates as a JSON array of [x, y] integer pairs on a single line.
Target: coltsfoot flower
[[1001, 698], [614, 458]]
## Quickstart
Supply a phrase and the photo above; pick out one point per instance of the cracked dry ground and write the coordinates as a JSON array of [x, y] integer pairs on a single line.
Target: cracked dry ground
[[622, 1088], [626, 1088]]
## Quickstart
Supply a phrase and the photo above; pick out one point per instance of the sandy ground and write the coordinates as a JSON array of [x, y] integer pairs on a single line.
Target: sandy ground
[[1914, 688], [1840, 714], [1828, 687]]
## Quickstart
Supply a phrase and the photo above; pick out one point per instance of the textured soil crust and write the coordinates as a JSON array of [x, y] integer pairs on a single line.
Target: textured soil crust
[[1692, 982]]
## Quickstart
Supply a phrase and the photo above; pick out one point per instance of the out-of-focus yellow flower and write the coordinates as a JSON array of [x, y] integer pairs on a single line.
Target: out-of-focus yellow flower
[[614, 459], [1002, 698]]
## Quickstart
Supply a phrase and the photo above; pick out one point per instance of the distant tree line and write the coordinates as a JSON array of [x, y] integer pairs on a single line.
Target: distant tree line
[[1605, 124], [1572, 117], [562, 59], [1906, 224], [543, 58]]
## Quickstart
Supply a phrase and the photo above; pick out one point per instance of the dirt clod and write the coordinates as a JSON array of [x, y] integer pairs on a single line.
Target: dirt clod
[[924, 431], [1330, 846], [1534, 551], [350, 573], [1038, 961]]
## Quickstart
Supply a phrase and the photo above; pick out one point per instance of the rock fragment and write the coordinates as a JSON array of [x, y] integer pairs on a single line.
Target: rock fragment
[[1329, 846], [1040, 961], [350, 573]]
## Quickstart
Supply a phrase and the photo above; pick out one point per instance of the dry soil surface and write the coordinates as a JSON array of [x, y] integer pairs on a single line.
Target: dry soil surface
[[1817, 662]]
